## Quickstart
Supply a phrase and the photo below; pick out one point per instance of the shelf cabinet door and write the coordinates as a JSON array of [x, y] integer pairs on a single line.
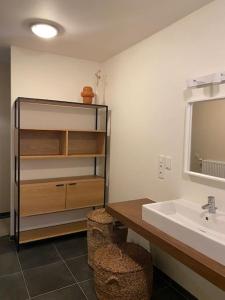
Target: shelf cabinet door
[[42, 198], [85, 194]]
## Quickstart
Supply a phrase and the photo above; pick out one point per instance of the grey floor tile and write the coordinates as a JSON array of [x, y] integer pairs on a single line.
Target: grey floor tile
[[6, 245], [35, 255], [46, 273], [72, 246], [9, 263], [47, 278], [80, 269], [167, 294], [8, 258], [12, 287], [69, 293], [89, 289]]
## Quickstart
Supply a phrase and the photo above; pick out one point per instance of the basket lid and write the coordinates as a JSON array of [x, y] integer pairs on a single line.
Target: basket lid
[[125, 258], [100, 216]]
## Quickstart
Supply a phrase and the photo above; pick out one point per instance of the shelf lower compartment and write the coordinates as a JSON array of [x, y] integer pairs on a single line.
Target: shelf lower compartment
[[52, 231], [53, 195]]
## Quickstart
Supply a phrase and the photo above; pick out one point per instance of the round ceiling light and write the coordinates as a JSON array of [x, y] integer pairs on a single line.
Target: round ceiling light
[[44, 31]]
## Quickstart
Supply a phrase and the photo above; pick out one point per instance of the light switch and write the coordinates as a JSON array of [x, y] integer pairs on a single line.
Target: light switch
[[168, 162]]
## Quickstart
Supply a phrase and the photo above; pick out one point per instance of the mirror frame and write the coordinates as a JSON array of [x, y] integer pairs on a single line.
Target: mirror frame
[[187, 139]]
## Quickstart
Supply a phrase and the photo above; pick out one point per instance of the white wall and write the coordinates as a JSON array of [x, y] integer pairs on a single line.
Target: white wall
[[43, 75], [38, 74], [4, 137], [146, 92]]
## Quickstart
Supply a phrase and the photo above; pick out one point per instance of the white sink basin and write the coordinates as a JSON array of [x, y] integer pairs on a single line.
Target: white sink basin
[[187, 222]]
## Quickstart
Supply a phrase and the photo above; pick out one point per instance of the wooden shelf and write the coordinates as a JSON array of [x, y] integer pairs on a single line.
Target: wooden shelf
[[63, 143], [24, 157], [64, 180], [81, 206], [63, 130], [86, 143], [86, 155], [52, 231], [27, 157], [60, 103], [35, 142], [81, 130], [42, 129]]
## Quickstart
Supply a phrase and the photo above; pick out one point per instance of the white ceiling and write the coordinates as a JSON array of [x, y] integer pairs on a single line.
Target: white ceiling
[[93, 29]]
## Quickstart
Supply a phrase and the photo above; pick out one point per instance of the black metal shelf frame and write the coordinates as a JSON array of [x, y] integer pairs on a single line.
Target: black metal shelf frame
[[17, 164]]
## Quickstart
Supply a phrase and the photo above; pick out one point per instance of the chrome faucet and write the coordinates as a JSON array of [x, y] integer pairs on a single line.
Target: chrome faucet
[[211, 205]]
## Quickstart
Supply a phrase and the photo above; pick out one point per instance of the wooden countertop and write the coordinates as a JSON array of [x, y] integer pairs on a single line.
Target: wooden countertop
[[130, 214]]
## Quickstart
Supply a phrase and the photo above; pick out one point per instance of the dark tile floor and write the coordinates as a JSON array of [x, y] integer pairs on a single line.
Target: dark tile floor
[[58, 270]]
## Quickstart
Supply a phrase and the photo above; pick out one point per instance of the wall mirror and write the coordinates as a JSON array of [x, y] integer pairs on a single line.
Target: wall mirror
[[205, 139]]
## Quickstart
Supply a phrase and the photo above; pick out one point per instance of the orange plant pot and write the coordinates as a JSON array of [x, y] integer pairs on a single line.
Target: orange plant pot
[[87, 94]]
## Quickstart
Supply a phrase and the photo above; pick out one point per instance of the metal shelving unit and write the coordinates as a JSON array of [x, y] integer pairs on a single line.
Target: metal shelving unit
[[57, 231]]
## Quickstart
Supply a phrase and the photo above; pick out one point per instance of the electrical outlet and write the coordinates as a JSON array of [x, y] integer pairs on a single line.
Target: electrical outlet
[[161, 170]]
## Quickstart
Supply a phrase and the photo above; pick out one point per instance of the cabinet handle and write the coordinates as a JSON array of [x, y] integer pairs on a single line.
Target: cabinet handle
[[59, 184], [74, 183]]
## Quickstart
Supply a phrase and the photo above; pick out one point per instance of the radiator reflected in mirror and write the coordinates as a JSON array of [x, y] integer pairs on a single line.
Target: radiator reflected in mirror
[[205, 138]]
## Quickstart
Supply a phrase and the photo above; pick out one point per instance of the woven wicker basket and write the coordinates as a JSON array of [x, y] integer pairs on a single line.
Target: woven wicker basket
[[123, 272], [120, 232], [101, 232]]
